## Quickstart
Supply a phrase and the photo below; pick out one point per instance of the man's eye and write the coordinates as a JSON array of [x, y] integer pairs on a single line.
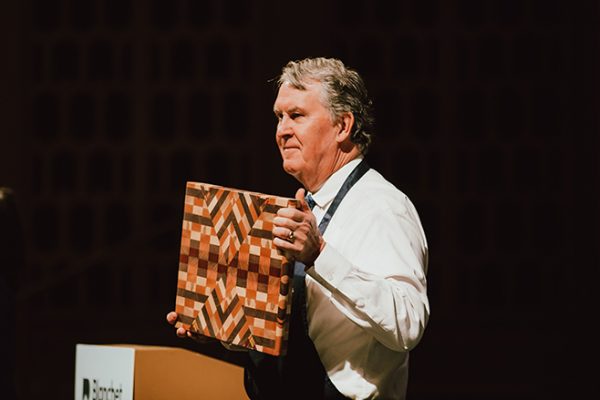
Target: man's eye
[[295, 115]]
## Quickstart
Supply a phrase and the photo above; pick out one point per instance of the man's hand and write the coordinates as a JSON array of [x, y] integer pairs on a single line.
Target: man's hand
[[182, 332], [296, 232]]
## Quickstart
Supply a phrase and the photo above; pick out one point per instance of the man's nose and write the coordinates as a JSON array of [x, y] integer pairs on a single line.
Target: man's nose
[[284, 127]]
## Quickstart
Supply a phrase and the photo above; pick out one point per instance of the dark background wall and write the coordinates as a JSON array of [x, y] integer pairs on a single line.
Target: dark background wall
[[486, 117]]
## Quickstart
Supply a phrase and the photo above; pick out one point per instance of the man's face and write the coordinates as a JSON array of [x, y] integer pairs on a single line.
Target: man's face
[[306, 134]]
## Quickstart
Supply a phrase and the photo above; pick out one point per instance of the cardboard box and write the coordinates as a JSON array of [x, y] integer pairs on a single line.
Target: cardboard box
[[137, 372], [233, 284]]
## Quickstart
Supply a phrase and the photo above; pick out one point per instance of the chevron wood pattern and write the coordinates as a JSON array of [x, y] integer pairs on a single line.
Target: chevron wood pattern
[[233, 284]]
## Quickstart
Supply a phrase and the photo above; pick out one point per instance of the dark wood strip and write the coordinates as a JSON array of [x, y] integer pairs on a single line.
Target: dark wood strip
[[217, 301], [269, 316], [271, 208], [257, 203], [220, 201], [208, 321], [234, 302], [246, 209], [210, 194], [262, 341], [185, 319], [190, 191], [241, 323], [198, 219], [261, 233], [246, 337], [188, 294]]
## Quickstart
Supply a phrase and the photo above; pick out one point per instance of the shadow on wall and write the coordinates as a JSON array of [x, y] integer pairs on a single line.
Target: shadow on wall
[[11, 263]]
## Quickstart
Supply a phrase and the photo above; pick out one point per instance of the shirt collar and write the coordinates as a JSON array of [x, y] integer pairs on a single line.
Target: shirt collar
[[332, 185]]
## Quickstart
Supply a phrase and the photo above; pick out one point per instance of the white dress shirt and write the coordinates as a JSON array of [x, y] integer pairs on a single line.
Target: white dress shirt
[[367, 294]]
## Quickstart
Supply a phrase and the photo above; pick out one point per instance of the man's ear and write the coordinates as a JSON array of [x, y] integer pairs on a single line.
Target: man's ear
[[346, 123]]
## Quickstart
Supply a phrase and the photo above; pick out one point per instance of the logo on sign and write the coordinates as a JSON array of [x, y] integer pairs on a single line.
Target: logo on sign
[[92, 390], [86, 389]]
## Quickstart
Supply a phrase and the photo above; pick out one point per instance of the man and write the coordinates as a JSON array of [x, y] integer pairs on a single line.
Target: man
[[362, 248]]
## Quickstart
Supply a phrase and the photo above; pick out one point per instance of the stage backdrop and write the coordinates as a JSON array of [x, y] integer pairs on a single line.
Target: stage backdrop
[[485, 115]]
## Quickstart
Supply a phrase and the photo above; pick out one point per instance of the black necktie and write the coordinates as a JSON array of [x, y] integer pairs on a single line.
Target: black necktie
[[310, 201]]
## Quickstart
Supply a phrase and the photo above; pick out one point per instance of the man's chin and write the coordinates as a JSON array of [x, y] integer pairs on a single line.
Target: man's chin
[[290, 167]]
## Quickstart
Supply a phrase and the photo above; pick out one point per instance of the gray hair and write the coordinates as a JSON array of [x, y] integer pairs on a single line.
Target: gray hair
[[343, 91]]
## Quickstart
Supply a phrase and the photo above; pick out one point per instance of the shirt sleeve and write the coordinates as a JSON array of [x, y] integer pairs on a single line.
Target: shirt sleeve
[[376, 277]]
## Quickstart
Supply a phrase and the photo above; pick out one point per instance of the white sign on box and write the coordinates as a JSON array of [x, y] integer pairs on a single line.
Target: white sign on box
[[143, 372], [104, 372]]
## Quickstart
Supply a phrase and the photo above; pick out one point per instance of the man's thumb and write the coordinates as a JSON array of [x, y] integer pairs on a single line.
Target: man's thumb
[[301, 200]]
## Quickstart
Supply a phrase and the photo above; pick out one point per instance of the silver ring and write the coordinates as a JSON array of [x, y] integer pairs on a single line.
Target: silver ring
[[291, 236]]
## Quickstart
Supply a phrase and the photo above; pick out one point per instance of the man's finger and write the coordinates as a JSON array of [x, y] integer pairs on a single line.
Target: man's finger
[[283, 244], [282, 232], [285, 248], [172, 317], [300, 193], [292, 214], [290, 222]]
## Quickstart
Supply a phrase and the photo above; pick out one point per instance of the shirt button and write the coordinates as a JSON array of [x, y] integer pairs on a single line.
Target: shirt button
[[360, 303]]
